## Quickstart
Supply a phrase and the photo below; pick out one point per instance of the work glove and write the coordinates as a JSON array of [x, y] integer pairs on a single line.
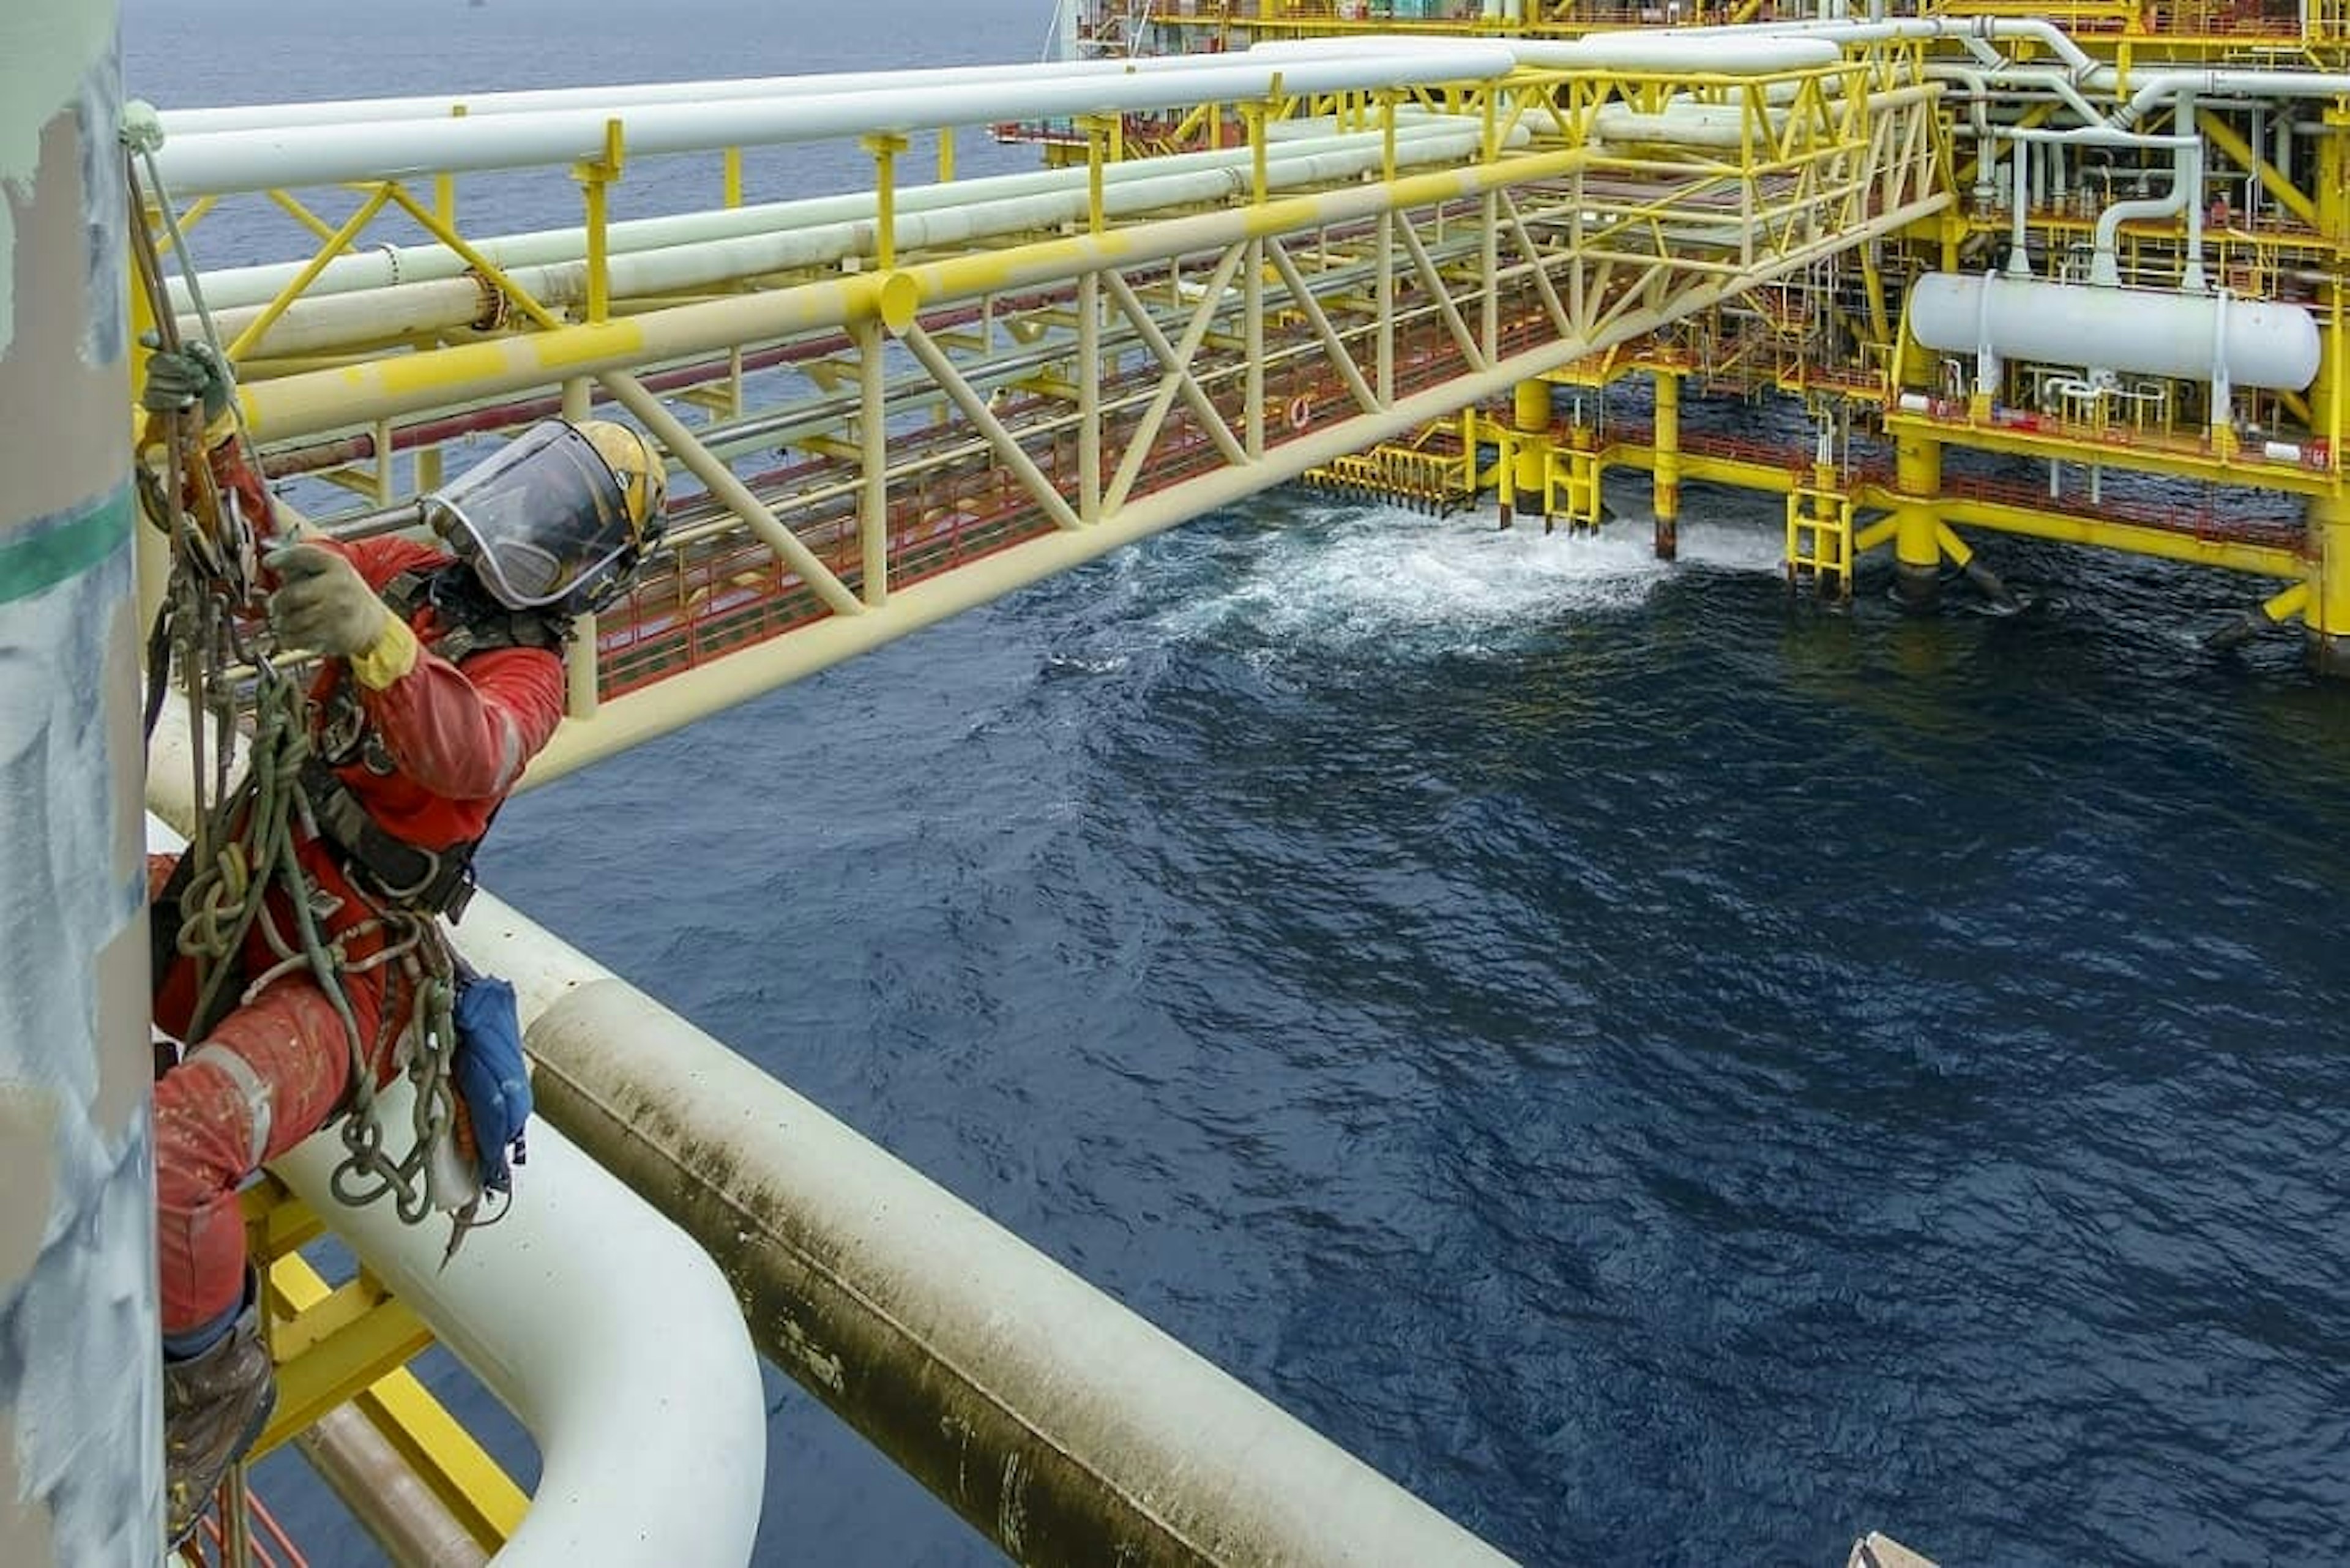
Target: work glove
[[184, 378], [322, 603]]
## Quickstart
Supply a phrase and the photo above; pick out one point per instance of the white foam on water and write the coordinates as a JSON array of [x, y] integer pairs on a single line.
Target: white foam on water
[[1358, 575]]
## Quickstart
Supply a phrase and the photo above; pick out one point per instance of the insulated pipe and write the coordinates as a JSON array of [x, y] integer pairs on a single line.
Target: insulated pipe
[[2019, 261], [2014, 81], [1905, 30], [382, 267], [336, 321], [603, 100], [1062, 1426], [2154, 87], [81, 1479], [230, 160], [383, 1492]]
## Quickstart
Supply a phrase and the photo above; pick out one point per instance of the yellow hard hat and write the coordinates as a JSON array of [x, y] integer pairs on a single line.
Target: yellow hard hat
[[644, 479]]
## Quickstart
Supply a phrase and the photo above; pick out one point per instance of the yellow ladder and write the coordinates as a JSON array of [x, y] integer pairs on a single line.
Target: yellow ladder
[[1819, 540]]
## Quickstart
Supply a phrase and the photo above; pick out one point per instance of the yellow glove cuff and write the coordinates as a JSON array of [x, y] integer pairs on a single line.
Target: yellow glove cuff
[[389, 657]]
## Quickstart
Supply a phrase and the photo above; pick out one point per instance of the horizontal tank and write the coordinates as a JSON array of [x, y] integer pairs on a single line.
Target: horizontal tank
[[2147, 332]]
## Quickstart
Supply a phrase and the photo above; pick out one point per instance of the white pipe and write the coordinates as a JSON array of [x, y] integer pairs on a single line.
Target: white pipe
[[311, 327], [2019, 262], [2145, 332], [230, 160], [1987, 369], [1915, 29], [2186, 179], [2221, 394], [2154, 88], [232, 287], [611, 1337], [178, 122]]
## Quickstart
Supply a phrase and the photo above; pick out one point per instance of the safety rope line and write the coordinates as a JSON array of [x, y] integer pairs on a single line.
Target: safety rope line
[[244, 843]]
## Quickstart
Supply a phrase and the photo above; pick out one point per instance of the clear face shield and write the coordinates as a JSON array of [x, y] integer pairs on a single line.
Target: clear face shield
[[538, 519]]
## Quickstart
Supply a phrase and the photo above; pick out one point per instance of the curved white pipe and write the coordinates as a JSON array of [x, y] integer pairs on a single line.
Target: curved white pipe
[[2153, 88], [2184, 195], [611, 1337], [608, 1333], [231, 160], [1908, 29], [1977, 80]]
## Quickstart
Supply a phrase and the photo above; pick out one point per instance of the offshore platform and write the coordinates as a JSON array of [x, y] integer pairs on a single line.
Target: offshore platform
[[2075, 275], [2112, 248]]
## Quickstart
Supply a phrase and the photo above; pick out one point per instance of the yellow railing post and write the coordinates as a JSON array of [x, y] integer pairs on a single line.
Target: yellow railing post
[[595, 176], [884, 147]]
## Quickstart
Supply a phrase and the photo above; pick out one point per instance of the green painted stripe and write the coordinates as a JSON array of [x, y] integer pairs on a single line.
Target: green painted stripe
[[48, 550]]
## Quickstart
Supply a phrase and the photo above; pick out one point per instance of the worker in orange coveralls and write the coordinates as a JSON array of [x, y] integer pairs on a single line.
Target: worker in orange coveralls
[[441, 676]]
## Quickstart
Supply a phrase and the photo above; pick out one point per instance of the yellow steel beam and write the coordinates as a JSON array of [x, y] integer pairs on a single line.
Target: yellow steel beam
[[2132, 539], [473, 1486], [2283, 606], [1738, 472], [444, 1456], [2221, 135], [336, 243], [276, 1221], [2138, 456], [337, 1342]]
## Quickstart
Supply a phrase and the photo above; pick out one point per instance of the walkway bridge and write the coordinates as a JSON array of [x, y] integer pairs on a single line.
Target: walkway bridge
[[906, 400]]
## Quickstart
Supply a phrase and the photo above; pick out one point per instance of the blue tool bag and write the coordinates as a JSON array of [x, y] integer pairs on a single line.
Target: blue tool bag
[[490, 1076]]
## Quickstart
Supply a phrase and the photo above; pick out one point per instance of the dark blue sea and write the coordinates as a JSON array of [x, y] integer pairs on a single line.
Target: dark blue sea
[[1671, 1073]]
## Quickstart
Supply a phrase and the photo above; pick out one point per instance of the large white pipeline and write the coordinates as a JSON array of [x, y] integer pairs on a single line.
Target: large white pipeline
[[1735, 51], [381, 267], [224, 161], [637, 95], [335, 321]]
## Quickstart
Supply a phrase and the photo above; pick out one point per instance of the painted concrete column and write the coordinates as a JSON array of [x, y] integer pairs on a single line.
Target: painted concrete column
[[80, 1384], [1668, 439], [1916, 542]]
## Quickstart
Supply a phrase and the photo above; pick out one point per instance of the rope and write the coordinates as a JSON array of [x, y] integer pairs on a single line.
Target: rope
[[246, 843]]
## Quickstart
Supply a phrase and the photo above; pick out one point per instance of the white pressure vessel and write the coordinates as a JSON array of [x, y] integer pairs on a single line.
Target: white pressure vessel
[[2143, 331]]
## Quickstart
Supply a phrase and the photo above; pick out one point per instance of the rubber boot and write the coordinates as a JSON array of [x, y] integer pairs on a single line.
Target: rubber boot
[[214, 1406]]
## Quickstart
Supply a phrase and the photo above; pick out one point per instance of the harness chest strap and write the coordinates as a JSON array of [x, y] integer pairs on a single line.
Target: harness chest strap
[[466, 622], [439, 882]]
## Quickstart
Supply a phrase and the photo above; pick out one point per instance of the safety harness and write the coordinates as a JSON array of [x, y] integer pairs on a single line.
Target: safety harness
[[466, 621]]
